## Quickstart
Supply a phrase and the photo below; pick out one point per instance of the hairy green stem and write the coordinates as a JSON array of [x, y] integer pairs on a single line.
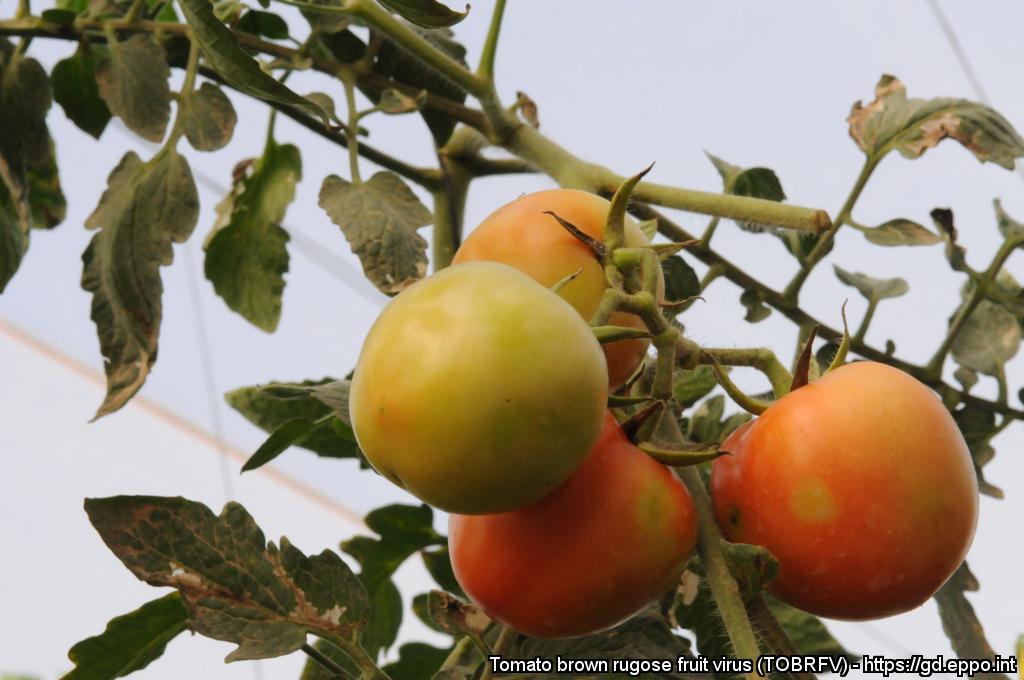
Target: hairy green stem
[[705, 238], [347, 78], [191, 69], [820, 249], [980, 291], [449, 209], [485, 69], [760, 358], [862, 330]]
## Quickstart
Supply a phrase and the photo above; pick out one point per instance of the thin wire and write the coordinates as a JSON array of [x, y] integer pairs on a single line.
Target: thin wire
[[209, 379], [965, 63]]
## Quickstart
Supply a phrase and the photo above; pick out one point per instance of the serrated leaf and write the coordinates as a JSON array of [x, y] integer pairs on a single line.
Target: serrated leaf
[[912, 126], [872, 288], [402, 530], [689, 386], [757, 310], [146, 208], [425, 13], [416, 661], [806, 631], [681, 281], [380, 218], [130, 642], [133, 83], [901, 232], [24, 100], [959, 621], [330, 440], [75, 89], [1008, 227], [226, 57], [263, 23], [246, 256], [395, 62], [989, 338], [235, 586], [208, 118]]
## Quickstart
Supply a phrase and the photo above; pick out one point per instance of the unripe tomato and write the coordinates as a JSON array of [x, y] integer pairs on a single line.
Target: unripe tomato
[[478, 390], [862, 487], [521, 235], [608, 542]]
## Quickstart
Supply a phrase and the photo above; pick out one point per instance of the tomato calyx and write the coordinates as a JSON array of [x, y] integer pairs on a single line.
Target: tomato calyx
[[597, 247]]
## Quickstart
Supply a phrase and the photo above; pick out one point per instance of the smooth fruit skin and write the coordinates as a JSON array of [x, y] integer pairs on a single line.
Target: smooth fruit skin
[[522, 236], [611, 540], [478, 390], [862, 487]]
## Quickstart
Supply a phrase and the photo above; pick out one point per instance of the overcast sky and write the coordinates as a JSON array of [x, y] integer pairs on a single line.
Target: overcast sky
[[754, 83]]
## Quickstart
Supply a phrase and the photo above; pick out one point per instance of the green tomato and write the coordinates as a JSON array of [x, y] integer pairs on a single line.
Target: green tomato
[[478, 390]]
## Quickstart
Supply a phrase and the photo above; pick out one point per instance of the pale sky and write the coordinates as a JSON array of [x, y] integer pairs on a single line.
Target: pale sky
[[754, 83]]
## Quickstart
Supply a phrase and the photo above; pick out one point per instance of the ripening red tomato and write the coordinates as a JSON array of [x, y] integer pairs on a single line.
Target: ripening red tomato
[[519, 234], [605, 544], [478, 390], [862, 487]]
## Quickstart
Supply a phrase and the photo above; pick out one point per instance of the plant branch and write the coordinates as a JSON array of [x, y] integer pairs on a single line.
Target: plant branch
[[822, 247], [795, 313], [485, 70], [449, 208], [323, 661], [368, 669], [191, 68], [760, 358], [352, 130], [869, 314]]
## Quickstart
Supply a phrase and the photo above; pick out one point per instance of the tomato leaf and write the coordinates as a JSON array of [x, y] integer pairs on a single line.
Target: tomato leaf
[[208, 117], [333, 439], [455, 616], [133, 83], [246, 255], [314, 671], [752, 182], [990, 337], [25, 99], [15, 222], [46, 202], [235, 586], [978, 426], [240, 70], [416, 660], [425, 13], [959, 621], [872, 288], [690, 386], [130, 642], [439, 564], [380, 218], [806, 631], [912, 126], [681, 281], [403, 530], [263, 23], [75, 89], [901, 232], [146, 208], [396, 63], [757, 310], [1008, 227]]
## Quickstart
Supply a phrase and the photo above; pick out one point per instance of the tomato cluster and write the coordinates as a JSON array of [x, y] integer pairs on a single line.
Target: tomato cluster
[[483, 392]]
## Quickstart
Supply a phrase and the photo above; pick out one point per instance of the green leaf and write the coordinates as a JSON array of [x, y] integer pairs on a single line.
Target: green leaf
[[270, 413], [416, 661], [757, 310], [752, 182], [75, 89], [690, 386], [208, 118], [238, 69], [871, 288], [246, 255], [58, 17], [439, 564], [681, 282], [989, 338], [394, 102], [133, 83], [901, 232], [395, 62], [235, 586], [959, 621], [290, 433], [46, 201], [912, 126], [314, 671], [806, 631], [263, 23], [402, 530], [327, 23], [130, 642], [455, 616], [24, 100], [1008, 227], [425, 13], [380, 218], [752, 566], [146, 208], [15, 222], [978, 426], [694, 609]]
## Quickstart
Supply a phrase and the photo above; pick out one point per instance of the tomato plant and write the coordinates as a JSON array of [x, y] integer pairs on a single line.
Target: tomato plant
[[604, 545], [860, 484], [524, 235], [442, 404]]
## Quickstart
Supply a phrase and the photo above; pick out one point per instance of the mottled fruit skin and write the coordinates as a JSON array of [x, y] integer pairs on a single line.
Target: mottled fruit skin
[[522, 236], [611, 540], [478, 390], [862, 487]]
